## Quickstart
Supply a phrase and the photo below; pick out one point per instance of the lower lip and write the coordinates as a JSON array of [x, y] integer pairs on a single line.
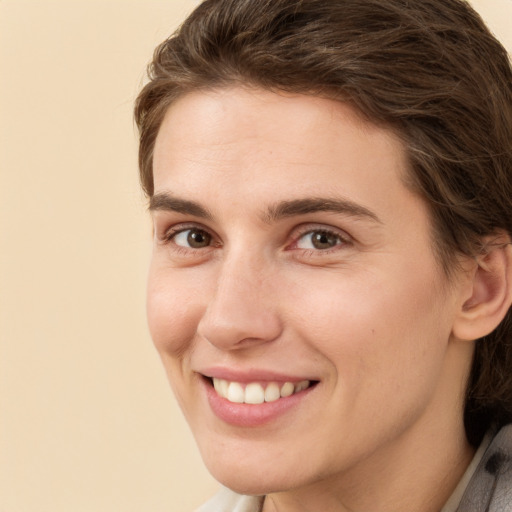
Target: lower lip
[[252, 415]]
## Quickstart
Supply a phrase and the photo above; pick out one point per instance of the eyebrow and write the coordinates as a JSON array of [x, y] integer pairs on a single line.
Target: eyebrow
[[163, 201], [166, 202], [317, 204]]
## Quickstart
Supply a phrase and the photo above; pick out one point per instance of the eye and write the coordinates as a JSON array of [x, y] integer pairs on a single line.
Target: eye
[[192, 238], [319, 239]]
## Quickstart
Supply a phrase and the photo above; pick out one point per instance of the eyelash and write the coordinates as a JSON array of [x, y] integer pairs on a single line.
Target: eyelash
[[171, 234], [343, 239]]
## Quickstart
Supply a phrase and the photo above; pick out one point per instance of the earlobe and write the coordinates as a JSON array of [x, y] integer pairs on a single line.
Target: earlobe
[[490, 291]]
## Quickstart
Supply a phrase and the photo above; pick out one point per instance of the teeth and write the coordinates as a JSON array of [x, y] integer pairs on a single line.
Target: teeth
[[235, 393], [272, 392], [301, 386], [255, 393], [287, 389]]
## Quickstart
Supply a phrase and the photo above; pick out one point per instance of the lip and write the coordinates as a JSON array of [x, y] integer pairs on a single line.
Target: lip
[[252, 415], [252, 375]]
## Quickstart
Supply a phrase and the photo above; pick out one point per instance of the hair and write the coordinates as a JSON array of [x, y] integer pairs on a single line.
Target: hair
[[429, 70]]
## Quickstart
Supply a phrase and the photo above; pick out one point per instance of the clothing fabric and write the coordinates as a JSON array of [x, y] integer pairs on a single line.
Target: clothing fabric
[[228, 501], [454, 500], [490, 489], [485, 487]]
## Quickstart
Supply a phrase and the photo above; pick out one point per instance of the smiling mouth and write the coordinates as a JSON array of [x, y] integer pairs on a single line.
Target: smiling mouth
[[256, 392]]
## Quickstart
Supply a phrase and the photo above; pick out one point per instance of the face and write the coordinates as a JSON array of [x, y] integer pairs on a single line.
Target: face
[[294, 295]]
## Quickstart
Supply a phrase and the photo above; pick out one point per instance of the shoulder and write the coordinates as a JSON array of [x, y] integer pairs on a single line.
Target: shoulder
[[228, 501], [490, 489]]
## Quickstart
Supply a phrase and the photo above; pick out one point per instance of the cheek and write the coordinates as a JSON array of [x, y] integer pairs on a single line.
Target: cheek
[[173, 310], [378, 324], [385, 346]]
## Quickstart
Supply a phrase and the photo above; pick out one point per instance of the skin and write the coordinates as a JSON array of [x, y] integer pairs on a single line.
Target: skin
[[370, 317]]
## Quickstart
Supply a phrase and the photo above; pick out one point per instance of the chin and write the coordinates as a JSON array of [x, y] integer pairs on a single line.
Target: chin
[[250, 483], [257, 475]]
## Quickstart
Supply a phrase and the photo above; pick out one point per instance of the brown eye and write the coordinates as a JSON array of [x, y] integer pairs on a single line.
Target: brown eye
[[319, 240], [193, 238]]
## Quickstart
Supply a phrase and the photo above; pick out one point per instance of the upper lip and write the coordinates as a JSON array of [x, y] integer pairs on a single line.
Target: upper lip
[[251, 375]]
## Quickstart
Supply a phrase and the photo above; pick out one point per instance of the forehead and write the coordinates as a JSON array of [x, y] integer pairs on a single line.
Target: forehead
[[254, 109], [238, 129], [244, 144]]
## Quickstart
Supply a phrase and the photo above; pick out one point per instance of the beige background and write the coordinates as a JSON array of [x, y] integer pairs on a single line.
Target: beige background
[[87, 422]]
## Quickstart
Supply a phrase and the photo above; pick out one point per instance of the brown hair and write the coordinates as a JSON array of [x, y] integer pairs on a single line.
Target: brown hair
[[428, 69]]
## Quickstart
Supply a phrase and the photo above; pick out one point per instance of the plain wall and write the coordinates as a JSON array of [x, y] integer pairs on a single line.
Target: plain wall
[[87, 420]]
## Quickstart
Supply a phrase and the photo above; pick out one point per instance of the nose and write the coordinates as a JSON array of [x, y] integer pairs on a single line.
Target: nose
[[242, 311]]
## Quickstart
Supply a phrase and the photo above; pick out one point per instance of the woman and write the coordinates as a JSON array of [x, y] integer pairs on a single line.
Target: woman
[[331, 281]]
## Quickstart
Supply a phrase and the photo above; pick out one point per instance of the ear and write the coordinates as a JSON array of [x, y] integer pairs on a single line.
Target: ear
[[487, 293]]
